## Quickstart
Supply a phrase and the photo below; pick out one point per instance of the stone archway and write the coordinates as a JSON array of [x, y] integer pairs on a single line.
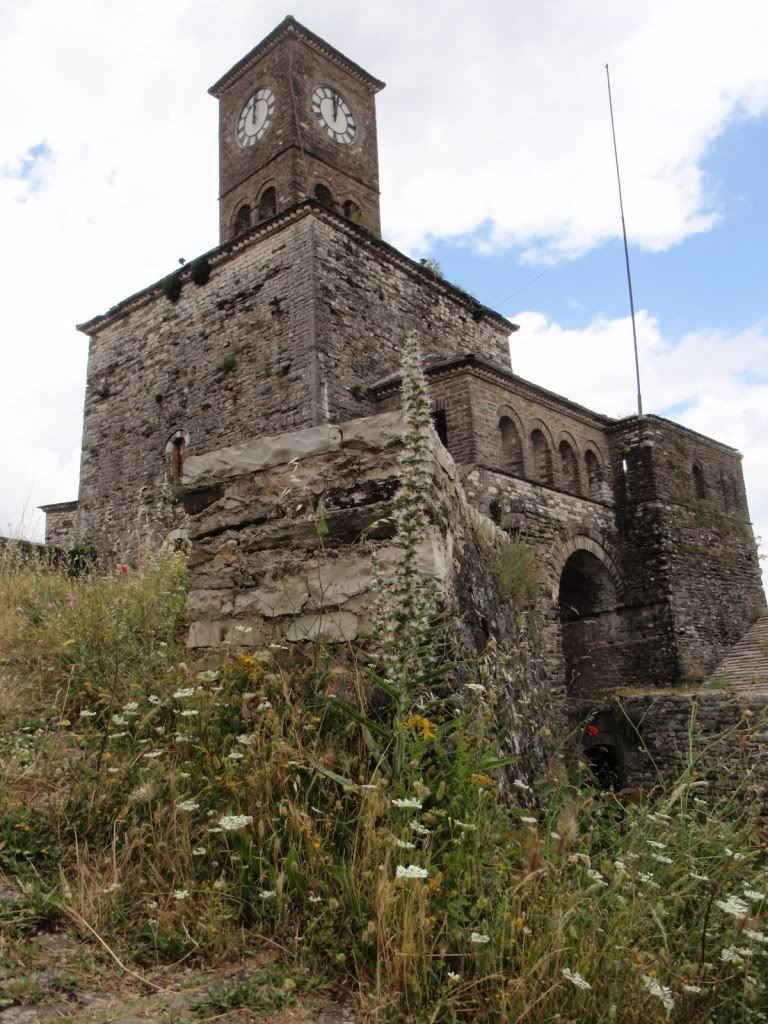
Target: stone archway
[[591, 623]]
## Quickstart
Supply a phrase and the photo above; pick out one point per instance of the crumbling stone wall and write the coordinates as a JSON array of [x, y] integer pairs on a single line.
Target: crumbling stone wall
[[720, 734], [282, 530], [61, 523]]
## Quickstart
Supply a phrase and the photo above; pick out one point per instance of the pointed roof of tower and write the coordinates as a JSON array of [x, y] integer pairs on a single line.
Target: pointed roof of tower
[[287, 27]]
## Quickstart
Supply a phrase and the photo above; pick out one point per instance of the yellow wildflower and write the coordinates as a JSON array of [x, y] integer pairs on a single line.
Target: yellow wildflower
[[480, 779], [420, 724]]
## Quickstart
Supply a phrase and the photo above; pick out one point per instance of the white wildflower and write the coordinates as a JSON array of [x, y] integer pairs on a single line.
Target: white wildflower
[[467, 826], [314, 899], [555, 836], [153, 698], [529, 821], [656, 845], [697, 877], [596, 876], [519, 784], [113, 771], [659, 991], [402, 845], [479, 939], [199, 851], [412, 871], [475, 687], [736, 856], [180, 894], [87, 714], [576, 979], [732, 955], [733, 906], [647, 877], [756, 936], [409, 804], [119, 720], [235, 755], [233, 822], [418, 828], [131, 708], [186, 691], [266, 894], [215, 829], [187, 805], [753, 894], [185, 775], [152, 754], [662, 859], [620, 866], [244, 739], [189, 713], [696, 989], [207, 677], [453, 976]]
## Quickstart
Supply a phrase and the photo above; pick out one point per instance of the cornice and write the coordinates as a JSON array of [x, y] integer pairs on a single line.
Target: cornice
[[290, 27], [476, 366], [307, 207], [649, 419]]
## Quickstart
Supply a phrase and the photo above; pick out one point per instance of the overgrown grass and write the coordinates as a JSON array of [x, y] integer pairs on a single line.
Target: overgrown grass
[[183, 813]]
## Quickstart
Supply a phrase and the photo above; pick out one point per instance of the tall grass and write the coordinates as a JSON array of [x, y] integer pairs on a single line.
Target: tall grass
[[346, 808]]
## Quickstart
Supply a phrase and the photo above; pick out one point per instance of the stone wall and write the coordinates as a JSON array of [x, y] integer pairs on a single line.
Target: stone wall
[[61, 523], [719, 734], [294, 322], [282, 531], [698, 548]]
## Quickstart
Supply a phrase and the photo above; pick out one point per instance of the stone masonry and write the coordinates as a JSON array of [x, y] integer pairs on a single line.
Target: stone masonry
[[292, 328]]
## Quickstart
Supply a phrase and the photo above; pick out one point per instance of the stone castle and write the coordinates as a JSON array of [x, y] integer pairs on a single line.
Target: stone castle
[[269, 367]]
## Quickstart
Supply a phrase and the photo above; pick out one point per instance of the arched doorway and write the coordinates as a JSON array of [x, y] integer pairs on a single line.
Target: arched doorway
[[591, 627]]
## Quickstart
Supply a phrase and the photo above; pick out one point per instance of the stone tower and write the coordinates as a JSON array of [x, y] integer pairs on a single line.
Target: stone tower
[[297, 120]]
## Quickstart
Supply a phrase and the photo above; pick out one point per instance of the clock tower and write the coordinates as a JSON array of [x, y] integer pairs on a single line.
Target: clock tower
[[297, 120]]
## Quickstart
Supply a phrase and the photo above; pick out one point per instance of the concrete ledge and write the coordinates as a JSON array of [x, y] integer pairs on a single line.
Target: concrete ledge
[[369, 432]]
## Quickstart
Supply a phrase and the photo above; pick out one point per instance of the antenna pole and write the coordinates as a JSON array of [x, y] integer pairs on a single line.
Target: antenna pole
[[626, 248]]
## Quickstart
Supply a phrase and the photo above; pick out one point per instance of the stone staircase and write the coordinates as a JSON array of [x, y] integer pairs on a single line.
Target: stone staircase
[[745, 666]]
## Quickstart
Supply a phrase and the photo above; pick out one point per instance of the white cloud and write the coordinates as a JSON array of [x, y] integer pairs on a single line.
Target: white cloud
[[495, 114], [711, 381]]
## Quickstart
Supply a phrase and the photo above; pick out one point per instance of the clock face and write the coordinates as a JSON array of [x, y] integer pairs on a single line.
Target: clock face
[[333, 115], [255, 117]]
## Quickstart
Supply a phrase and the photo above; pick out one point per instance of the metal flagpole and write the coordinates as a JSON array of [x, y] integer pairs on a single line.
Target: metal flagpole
[[626, 248]]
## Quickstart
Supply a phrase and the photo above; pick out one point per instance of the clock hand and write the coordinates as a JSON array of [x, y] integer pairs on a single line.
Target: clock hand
[[335, 107]]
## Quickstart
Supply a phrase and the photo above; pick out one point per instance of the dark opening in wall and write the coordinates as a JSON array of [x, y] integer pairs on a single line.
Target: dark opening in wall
[[728, 488], [323, 195], [267, 203], [569, 468], [440, 423], [594, 474], [603, 754], [542, 458], [591, 625], [352, 211], [242, 220], [178, 451], [511, 446], [699, 484]]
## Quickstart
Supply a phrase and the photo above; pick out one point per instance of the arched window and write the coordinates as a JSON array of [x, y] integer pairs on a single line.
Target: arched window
[[511, 446], [267, 203], [351, 210], [242, 220], [323, 195], [594, 474], [178, 450], [569, 468], [542, 458], [697, 478]]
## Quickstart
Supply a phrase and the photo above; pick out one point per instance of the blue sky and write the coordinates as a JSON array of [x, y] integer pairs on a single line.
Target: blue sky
[[716, 279]]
